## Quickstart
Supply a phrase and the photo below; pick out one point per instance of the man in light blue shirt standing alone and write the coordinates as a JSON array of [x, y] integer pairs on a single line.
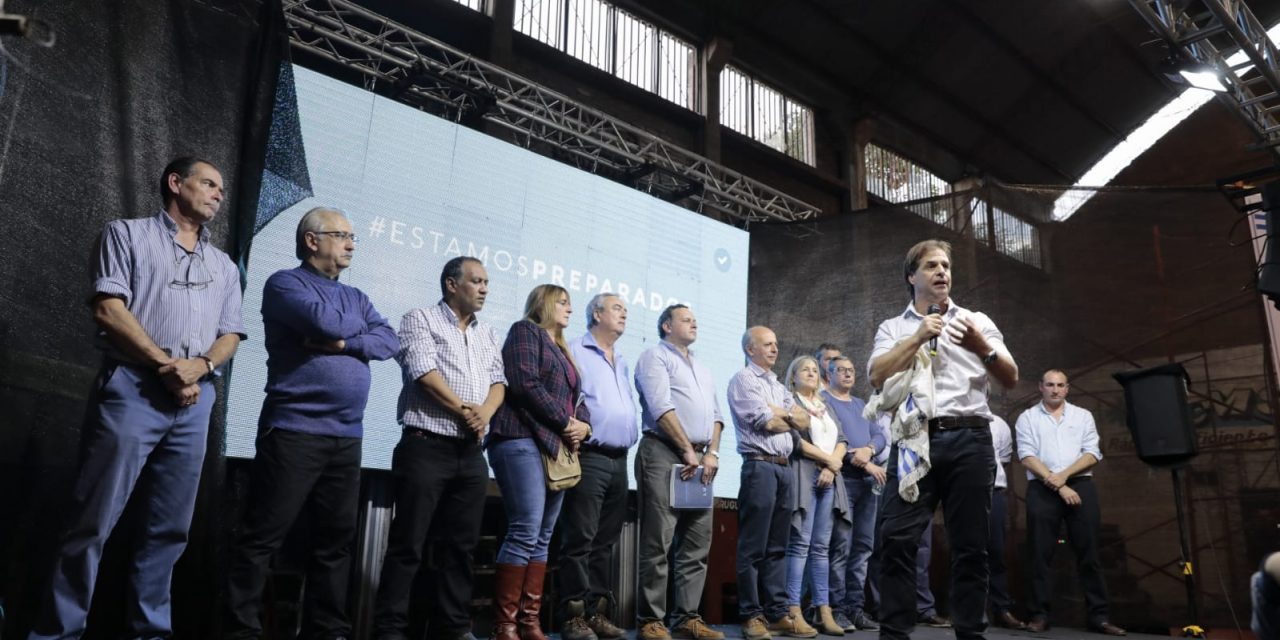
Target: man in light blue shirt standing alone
[[1058, 444]]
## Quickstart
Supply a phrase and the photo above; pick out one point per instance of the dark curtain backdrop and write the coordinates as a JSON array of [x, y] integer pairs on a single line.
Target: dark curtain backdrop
[[85, 128]]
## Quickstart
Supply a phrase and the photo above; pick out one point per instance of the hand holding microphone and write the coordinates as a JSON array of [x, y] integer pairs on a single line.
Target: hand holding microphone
[[933, 342]]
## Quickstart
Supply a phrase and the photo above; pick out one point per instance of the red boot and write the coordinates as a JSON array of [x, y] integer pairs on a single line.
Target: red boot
[[530, 621], [507, 583]]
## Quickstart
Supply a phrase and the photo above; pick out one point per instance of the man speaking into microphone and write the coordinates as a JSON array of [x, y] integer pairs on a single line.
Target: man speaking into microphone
[[965, 351]]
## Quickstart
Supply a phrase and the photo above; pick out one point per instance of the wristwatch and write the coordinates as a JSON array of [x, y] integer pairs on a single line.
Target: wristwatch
[[991, 358], [207, 361]]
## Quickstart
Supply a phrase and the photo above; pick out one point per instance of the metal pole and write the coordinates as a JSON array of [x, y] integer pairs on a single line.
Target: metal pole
[[1188, 572]]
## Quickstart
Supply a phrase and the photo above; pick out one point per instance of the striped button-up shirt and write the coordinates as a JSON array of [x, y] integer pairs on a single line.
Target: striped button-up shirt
[[751, 391], [184, 301], [669, 381], [1058, 443], [470, 361]]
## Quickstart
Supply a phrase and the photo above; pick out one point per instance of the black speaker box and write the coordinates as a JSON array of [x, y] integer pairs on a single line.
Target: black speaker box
[[1269, 270], [1158, 414]]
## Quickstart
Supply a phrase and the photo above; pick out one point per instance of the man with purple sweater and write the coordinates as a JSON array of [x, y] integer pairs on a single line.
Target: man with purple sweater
[[320, 336], [851, 548]]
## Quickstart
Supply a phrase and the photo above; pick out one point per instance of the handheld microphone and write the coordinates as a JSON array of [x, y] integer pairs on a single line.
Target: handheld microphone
[[933, 342]]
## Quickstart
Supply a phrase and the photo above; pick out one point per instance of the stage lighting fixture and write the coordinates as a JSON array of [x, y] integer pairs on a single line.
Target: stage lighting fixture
[[1180, 70]]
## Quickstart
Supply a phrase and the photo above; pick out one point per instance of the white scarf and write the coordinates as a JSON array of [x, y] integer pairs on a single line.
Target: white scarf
[[909, 393], [823, 430]]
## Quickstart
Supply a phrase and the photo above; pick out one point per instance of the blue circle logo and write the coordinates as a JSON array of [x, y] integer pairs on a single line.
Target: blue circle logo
[[722, 259]]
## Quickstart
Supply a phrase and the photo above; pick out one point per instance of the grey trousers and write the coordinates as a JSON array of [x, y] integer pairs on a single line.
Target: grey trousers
[[661, 527]]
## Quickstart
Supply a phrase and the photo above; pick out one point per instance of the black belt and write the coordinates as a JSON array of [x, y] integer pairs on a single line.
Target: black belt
[[957, 422], [419, 432], [700, 449], [608, 452], [757, 457]]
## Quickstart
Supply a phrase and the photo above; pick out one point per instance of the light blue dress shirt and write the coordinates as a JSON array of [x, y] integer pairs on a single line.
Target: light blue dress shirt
[[606, 390], [669, 381]]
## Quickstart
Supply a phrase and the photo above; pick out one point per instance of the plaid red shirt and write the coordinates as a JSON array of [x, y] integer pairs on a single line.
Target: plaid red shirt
[[542, 389]]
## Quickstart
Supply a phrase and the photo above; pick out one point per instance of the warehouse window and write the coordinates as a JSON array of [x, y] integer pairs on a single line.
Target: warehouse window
[[608, 38], [898, 179], [1010, 235], [766, 115], [476, 5]]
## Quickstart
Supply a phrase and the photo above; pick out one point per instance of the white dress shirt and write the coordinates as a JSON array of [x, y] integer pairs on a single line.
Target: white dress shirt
[[960, 378], [1002, 442], [1057, 443]]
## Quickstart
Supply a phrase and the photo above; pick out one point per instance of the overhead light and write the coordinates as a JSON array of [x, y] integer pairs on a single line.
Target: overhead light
[[1181, 71], [1202, 76], [1145, 136]]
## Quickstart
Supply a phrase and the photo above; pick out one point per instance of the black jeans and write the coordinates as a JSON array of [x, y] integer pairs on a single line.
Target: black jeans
[[440, 481], [1046, 512], [962, 475], [764, 526], [999, 587], [590, 525], [292, 471]]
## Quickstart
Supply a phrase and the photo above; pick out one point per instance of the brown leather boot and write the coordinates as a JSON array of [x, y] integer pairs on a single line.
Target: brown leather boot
[[529, 621], [508, 581]]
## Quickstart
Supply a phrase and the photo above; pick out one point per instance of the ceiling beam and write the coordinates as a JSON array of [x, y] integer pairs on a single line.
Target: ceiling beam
[[947, 97]]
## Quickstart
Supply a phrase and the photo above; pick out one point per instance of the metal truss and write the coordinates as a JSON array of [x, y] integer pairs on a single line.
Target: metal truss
[[405, 65], [1215, 27]]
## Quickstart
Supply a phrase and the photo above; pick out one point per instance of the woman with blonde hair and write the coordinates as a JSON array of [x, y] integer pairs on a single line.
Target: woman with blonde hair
[[540, 414], [819, 494]]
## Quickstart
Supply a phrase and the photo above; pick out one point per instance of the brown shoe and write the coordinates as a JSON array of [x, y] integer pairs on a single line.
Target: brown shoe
[[529, 622], [695, 629], [653, 630], [933, 620], [1107, 628], [755, 629], [792, 625], [575, 625], [1038, 625], [605, 629], [1007, 620]]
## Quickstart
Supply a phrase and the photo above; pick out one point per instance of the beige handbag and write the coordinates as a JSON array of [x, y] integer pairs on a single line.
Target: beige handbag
[[563, 471]]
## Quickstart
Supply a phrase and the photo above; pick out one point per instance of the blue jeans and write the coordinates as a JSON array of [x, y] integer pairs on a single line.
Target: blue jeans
[[137, 436], [808, 545], [852, 572], [531, 509]]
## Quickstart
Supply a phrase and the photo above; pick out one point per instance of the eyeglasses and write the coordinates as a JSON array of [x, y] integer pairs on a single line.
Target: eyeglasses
[[843, 370], [340, 235], [195, 280]]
